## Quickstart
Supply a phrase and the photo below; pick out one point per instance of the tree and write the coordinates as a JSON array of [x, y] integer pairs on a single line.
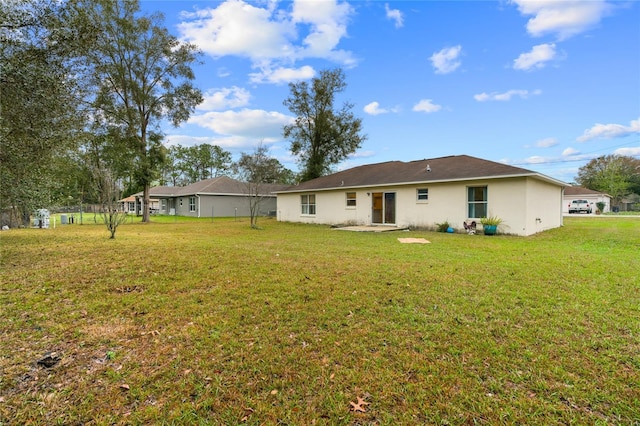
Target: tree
[[615, 175], [187, 165], [205, 161], [172, 172], [40, 115], [143, 75], [106, 187], [321, 135], [257, 170]]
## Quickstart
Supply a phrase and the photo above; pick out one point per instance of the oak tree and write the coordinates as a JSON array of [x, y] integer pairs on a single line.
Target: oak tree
[[322, 134], [143, 76], [616, 175]]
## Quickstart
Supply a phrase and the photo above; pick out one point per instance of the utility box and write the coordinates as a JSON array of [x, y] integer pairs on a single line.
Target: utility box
[[41, 218], [63, 219]]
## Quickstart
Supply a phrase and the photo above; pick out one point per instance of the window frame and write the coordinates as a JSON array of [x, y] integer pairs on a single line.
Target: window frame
[[426, 194], [351, 202], [473, 202], [192, 204], [308, 204]]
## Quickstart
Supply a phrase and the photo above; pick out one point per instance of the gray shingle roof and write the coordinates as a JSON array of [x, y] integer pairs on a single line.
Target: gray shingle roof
[[442, 169], [578, 190], [221, 185]]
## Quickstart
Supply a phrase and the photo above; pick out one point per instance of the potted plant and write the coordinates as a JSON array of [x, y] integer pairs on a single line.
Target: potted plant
[[600, 206], [443, 227], [490, 224]]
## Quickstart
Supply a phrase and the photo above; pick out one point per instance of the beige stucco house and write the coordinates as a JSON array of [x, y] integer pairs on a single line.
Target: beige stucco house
[[221, 196], [423, 193]]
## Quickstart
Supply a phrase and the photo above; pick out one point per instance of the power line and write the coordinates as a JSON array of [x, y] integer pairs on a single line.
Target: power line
[[559, 161]]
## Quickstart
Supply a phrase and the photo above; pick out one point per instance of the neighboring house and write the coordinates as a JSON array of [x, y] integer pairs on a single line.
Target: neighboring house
[[216, 197], [423, 193], [578, 193], [133, 205]]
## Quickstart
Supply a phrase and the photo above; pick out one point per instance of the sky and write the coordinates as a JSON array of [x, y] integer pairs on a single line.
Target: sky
[[545, 85]]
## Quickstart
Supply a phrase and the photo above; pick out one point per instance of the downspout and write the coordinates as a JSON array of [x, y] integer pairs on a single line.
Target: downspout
[[198, 196], [562, 206]]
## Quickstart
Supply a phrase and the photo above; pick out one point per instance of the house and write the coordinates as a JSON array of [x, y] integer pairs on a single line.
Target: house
[[578, 193], [131, 205], [216, 197], [423, 193]]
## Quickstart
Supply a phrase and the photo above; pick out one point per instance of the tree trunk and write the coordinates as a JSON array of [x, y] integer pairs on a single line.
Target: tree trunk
[[146, 201]]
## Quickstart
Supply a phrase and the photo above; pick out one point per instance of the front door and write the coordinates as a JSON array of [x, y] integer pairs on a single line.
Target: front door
[[383, 209]]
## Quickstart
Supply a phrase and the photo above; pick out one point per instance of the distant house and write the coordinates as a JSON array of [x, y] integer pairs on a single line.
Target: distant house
[[216, 197], [131, 205], [426, 192], [579, 193]]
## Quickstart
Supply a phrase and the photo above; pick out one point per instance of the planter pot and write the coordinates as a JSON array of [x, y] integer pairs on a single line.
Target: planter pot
[[490, 229]]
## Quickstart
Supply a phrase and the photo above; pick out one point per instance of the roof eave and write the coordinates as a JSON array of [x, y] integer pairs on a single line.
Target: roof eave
[[430, 181]]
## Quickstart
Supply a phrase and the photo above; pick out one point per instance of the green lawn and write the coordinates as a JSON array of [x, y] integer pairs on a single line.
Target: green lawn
[[211, 322]]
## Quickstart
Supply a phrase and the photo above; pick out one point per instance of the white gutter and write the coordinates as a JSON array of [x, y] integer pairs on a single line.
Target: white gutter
[[198, 195]]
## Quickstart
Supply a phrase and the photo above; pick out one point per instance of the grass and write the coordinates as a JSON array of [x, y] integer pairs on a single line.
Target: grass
[[211, 322]]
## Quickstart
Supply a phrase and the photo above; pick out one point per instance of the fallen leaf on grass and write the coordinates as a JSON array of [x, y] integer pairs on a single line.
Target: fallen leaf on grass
[[359, 406], [247, 413], [124, 387]]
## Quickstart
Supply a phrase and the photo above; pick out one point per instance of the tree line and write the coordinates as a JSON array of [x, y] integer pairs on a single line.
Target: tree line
[[86, 86]]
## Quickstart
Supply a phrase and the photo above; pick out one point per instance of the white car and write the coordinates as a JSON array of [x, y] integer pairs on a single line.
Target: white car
[[580, 206]]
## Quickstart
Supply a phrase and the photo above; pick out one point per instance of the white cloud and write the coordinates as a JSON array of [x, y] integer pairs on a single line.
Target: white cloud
[[373, 108], [362, 154], [250, 123], [238, 28], [536, 159], [328, 25], [536, 58], [186, 140], [235, 143], [564, 18], [446, 60], [268, 35], [219, 99], [425, 105], [506, 96], [547, 143], [570, 152], [395, 15], [610, 131], [282, 75], [630, 151]]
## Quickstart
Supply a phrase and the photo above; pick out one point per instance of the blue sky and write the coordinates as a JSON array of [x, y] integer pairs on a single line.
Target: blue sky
[[544, 85]]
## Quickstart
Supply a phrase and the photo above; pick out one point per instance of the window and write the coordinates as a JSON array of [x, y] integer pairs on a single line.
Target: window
[[477, 201], [308, 203], [351, 199], [192, 204], [422, 194], [163, 205], [132, 206]]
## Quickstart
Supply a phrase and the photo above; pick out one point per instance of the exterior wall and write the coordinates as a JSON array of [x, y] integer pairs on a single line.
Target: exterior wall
[[519, 202], [543, 207], [219, 206]]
